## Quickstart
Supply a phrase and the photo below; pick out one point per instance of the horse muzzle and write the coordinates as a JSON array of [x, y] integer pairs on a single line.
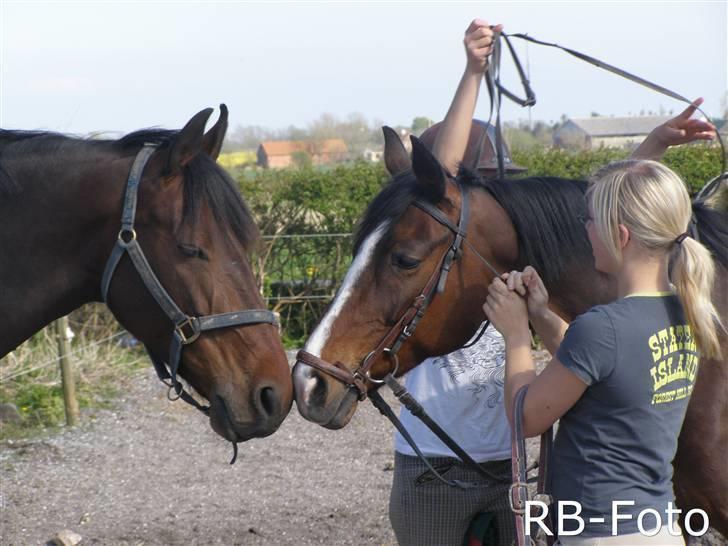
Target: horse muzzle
[[327, 403], [256, 418]]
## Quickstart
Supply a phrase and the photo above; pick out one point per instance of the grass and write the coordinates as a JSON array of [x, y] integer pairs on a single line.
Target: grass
[[30, 375]]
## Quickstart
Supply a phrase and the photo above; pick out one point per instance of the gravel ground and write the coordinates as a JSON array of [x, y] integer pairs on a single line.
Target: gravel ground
[[152, 472]]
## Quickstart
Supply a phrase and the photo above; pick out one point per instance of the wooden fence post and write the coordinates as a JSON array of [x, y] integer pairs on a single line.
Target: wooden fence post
[[69, 384]]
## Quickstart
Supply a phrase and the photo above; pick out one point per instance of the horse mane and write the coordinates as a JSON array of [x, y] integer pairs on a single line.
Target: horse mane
[[23, 141], [544, 212], [205, 182], [712, 226]]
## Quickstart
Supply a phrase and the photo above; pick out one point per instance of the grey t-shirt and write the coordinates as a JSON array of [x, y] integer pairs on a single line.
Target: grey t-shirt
[[639, 360]]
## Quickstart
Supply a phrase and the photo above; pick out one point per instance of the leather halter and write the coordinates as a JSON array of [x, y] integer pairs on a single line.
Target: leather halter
[[405, 326], [186, 328]]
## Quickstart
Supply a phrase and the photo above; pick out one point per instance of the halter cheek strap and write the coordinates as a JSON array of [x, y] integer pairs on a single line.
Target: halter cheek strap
[[186, 328]]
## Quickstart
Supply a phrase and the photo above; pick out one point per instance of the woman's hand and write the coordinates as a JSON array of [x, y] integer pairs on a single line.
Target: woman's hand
[[679, 130], [507, 311], [478, 42], [528, 284]]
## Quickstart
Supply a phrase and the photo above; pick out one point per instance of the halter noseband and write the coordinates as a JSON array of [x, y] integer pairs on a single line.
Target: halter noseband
[[407, 323], [186, 328]]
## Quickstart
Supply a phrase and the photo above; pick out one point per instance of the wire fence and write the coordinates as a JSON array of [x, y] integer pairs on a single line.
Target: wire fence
[[299, 275], [55, 361]]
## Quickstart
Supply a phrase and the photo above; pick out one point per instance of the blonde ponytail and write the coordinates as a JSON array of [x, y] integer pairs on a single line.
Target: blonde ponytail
[[692, 275], [652, 202]]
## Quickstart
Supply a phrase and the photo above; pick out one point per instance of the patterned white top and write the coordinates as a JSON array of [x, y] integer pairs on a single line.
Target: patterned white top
[[463, 393]]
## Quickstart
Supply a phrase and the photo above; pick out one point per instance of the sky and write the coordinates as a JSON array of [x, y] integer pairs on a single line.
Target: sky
[[81, 67]]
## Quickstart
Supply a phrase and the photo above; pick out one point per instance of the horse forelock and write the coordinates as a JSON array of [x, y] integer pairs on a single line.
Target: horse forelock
[[206, 182], [388, 206]]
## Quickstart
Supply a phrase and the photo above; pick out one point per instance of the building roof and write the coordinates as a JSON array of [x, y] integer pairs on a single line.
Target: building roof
[[288, 147], [607, 126]]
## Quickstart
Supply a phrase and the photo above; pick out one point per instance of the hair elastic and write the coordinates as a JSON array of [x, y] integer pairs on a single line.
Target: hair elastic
[[680, 238]]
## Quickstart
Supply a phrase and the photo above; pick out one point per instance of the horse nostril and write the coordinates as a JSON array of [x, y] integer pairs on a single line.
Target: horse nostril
[[318, 394], [269, 401]]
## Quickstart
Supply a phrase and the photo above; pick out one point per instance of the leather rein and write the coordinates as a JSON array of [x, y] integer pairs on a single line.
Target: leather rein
[[187, 328]]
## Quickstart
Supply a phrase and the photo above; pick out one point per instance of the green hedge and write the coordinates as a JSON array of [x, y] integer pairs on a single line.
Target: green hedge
[[696, 164], [283, 201]]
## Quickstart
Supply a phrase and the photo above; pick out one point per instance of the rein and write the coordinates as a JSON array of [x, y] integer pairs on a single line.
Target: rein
[[399, 333], [496, 90], [186, 328]]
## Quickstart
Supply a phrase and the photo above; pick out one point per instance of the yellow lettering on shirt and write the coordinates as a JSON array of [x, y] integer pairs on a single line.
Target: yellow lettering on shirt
[[673, 352]]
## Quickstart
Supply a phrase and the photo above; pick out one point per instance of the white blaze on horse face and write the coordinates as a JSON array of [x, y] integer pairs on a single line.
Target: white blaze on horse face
[[320, 336]]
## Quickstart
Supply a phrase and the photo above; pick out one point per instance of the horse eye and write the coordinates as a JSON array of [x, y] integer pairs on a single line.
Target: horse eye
[[192, 251], [404, 262]]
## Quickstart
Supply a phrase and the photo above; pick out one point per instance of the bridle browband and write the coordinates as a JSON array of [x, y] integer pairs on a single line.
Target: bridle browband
[[403, 330], [186, 328]]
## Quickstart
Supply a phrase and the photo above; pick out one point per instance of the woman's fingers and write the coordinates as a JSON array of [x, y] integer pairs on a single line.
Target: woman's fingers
[[515, 282]]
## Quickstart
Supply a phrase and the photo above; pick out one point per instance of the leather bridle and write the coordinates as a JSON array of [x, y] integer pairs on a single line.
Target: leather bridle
[[361, 377], [186, 328], [408, 321]]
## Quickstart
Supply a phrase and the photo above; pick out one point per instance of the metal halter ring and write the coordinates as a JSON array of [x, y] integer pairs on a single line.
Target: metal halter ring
[[393, 356], [177, 395], [132, 236]]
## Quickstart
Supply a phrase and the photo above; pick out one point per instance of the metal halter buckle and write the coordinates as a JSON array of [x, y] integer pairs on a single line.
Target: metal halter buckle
[[185, 338], [514, 485]]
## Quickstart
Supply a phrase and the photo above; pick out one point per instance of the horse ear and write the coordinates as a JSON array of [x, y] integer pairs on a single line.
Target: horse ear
[[188, 142], [212, 141], [428, 170], [395, 156]]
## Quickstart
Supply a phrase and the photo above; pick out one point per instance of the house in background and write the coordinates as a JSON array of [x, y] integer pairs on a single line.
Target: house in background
[[373, 156], [276, 154], [598, 131]]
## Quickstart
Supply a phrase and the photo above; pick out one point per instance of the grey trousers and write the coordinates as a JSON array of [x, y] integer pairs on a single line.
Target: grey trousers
[[426, 512]]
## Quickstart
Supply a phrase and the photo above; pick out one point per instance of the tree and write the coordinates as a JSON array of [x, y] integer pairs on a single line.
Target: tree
[[420, 123]]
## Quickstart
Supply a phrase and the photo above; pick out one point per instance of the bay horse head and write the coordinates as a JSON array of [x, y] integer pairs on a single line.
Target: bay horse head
[[196, 296], [425, 252]]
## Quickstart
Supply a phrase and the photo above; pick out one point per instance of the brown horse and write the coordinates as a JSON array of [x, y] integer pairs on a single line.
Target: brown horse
[[61, 201], [397, 251]]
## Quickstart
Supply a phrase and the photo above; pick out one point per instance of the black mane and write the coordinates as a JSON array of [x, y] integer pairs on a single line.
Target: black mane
[[544, 211], [204, 181], [23, 142]]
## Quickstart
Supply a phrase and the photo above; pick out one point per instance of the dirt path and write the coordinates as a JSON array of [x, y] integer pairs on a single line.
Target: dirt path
[[152, 472]]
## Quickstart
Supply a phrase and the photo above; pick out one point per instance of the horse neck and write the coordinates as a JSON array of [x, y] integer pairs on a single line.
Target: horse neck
[[57, 233]]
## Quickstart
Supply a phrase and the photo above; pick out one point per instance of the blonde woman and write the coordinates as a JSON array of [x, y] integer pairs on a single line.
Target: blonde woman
[[622, 373]]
